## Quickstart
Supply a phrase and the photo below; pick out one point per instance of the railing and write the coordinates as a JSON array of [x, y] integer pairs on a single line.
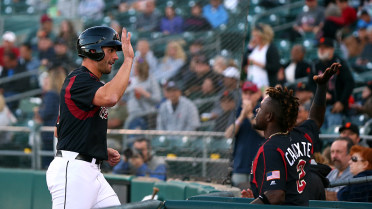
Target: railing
[[36, 153]]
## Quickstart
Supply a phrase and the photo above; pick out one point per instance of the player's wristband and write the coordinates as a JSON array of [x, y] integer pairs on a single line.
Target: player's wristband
[[264, 199]]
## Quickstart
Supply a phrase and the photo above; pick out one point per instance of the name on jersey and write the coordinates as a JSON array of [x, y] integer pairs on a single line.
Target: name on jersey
[[297, 150]]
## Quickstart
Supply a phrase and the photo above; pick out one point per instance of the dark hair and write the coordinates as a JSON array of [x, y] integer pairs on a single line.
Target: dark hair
[[288, 110], [143, 69], [349, 142]]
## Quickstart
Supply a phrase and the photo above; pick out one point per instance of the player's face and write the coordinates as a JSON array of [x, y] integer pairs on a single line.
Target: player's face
[[260, 120], [339, 155], [105, 65]]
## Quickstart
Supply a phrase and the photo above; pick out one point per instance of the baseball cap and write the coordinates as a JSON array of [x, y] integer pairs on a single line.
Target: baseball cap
[[350, 126], [45, 18], [201, 58], [9, 36], [326, 42], [249, 86], [227, 96], [302, 87], [231, 72], [172, 85]]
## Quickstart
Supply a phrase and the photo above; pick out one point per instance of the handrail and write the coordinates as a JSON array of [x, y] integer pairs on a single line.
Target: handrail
[[357, 180], [18, 76]]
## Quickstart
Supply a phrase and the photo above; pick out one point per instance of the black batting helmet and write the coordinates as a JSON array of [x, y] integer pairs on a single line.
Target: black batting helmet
[[91, 41]]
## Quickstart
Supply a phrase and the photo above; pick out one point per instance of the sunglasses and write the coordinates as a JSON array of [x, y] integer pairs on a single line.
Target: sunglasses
[[355, 159]]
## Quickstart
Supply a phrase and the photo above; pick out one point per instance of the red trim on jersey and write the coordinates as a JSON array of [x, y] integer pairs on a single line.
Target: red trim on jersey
[[285, 164], [75, 110], [311, 141], [264, 172], [254, 166]]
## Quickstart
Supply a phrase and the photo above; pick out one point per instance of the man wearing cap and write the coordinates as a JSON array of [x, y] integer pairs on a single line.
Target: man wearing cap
[[247, 139], [9, 39], [177, 113], [366, 106], [340, 86], [44, 31], [231, 78], [352, 131], [227, 115]]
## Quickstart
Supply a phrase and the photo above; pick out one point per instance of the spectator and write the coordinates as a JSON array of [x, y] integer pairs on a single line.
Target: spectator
[[117, 116], [364, 20], [196, 21], [365, 56], [220, 63], [227, 115], [45, 30], [351, 131], [30, 63], [261, 61], [9, 39], [143, 51], [303, 93], [366, 104], [340, 156], [215, 13], [247, 139], [47, 113], [10, 68], [91, 9], [309, 21], [61, 55], [330, 28], [172, 61], [319, 182], [177, 113], [144, 93], [45, 51], [340, 86], [141, 161], [348, 16], [296, 68], [360, 166], [126, 5], [303, 112], [68, 33], [207, 96], [6, 119], [171, 23], [148, 21], [67, 8]]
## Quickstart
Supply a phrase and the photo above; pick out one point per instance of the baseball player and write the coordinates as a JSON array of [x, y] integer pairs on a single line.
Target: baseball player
[[73, 177], [282, 162]]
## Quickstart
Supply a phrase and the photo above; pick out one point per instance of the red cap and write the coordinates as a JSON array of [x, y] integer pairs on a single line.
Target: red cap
[[249, 86], [44, 18]]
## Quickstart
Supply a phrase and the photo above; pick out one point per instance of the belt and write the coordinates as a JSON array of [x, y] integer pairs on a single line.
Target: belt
[[81, 157]]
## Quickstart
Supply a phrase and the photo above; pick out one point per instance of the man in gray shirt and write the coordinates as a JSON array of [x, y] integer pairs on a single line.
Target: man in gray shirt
[[340, 156], [177, 113]]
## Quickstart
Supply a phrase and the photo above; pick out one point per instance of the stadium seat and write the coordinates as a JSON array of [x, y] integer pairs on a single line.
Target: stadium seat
[[147, 204]]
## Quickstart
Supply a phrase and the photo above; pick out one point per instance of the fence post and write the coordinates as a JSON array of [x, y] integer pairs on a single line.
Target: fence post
[[34, 141]]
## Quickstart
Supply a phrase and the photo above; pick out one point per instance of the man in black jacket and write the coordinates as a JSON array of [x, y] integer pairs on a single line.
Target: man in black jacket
[[340, 86]]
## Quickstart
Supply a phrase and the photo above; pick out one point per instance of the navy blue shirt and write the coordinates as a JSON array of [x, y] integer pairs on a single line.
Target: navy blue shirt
[[282, 163], [247, 142], [82, 126]]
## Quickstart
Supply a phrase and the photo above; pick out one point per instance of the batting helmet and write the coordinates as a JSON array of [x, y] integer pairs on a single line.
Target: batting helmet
[[91, 41]]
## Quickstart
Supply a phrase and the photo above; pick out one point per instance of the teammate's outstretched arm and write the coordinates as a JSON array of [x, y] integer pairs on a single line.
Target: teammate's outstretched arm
[[112, 91], [318, 107]]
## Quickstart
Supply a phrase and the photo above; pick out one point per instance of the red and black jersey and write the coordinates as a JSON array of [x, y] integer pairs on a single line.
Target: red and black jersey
[[82, 126], [282, 163]]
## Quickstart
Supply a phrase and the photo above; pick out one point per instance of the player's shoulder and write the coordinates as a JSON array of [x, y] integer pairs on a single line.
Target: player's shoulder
[[83, 73]]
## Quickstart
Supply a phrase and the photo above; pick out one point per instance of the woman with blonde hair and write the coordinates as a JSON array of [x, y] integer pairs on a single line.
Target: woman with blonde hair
[[261, 61], [360, 166], [172, 61], [47, 113]]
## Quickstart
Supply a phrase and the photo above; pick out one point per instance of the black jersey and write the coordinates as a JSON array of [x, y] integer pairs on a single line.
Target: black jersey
[[282, 163], [82, 126]]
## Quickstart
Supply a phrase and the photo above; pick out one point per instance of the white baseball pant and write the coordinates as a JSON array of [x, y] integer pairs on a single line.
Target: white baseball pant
[[77, 184]]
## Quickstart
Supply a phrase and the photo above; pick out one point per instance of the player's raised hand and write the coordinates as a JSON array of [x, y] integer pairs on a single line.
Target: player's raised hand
[[329, 72], [126, 44], [247, 193]]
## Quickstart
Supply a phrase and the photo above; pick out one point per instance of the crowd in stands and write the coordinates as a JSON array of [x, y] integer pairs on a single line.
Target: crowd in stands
[[190, 89]]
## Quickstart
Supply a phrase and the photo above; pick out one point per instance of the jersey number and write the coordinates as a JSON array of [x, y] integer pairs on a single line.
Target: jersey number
[[301, 183]]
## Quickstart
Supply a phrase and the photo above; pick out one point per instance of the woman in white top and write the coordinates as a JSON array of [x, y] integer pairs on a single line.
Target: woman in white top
[[263, 61]]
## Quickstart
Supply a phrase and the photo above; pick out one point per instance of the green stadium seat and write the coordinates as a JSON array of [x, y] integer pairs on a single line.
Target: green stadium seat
[[139, 189], [147, 204], [171, 190], [41, 198], [339, 204]]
